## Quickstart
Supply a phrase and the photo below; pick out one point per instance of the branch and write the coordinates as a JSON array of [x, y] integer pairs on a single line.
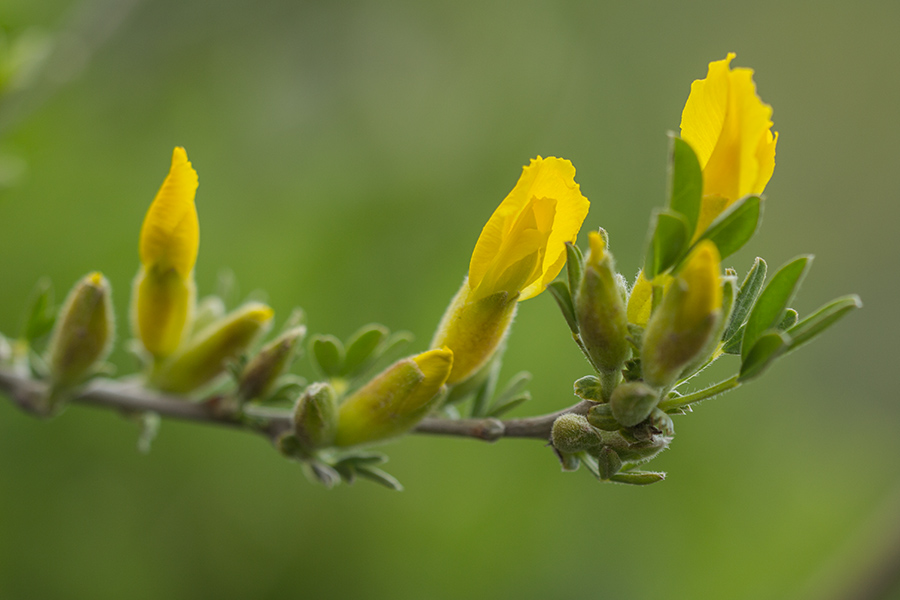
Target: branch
[[131, 398]]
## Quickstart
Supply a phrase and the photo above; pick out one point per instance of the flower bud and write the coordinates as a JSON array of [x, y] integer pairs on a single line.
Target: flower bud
[[315, 417], [208, 353], [632, 402], [572, 433], [519, 252], [601, 417], [395, 400], [631, 451], [83, 333], [600, 311], [263, 369], [687, 318], [163, 294]]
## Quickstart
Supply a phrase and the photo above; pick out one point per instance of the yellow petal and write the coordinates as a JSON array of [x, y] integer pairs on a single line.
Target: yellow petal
[[522, 247], [170, 236], [640, 301], [730, 129]]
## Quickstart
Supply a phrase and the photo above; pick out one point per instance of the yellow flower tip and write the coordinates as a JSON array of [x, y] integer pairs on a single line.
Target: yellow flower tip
[[170, 236], [597, 245], [521, 249], [96, 279], [258, 312], [730, 128], [435, 365], [702, 273]]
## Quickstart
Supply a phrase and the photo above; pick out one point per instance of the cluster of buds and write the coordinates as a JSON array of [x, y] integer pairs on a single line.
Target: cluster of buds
[[683, 311]]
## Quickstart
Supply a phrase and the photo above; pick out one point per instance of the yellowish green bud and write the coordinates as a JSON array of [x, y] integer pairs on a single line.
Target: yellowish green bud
[[84, 331], [316, 417], [572, 433], [209, 352], [162, 299], [600, 310], [259, 375], [474, 330], [690, 312], [632, 402], [395, 400]]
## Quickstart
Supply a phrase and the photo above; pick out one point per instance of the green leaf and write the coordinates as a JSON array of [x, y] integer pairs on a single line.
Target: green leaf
[[574, 265], [380, 477], [362, 345], [746, 297], [560, 292], [773, 301], [41, 314], [500, 408], [789, 319], [735, 226], [765, 350], [638, 477], [486, 390], [732, 345], [668, 242], [685, 182], [328, 352], [821, 320]]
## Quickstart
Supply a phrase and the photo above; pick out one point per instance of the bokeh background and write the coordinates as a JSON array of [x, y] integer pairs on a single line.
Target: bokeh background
[[349, 153]]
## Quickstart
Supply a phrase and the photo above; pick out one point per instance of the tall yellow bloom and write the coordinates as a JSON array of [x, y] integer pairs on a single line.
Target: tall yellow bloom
[[520, 250], [163, 294], [730, 128]]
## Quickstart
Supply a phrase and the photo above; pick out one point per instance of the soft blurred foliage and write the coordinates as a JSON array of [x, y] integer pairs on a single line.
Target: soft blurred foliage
[[349, 154]]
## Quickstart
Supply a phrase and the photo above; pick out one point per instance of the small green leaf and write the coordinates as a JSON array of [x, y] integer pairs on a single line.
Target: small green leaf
[[765, 350], [486, 390], [746, 297], [732, 345], [735, 226], [362, 345], [328, 352], [41, 314], [574, 265], [514, 387], [821, 320], [380, 477], [667, 244], [500, 408], [394, 343], [773, 301], [560, 292], [362, 459], [789, 319], [685, 182], [638, 477]]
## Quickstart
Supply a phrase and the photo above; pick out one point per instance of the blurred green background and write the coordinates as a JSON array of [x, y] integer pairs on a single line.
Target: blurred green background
[[349, 154]]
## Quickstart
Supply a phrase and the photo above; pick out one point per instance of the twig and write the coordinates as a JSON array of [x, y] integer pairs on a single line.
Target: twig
[[131, 398]]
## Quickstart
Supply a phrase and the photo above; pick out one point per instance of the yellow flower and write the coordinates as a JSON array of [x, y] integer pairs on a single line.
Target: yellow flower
[[520, 250], [730, 129], [394, 401], [522, 247], [163, 294]]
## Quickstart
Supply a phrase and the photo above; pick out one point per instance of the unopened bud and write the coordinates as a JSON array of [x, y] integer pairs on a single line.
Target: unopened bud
[[632, 402], [600, 310], [600, 416], [83, 334], [608, 462], [682, 326], [315, 417], [572, 433], [263, 369], [208, 354], [395, 400], [635, 451]]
